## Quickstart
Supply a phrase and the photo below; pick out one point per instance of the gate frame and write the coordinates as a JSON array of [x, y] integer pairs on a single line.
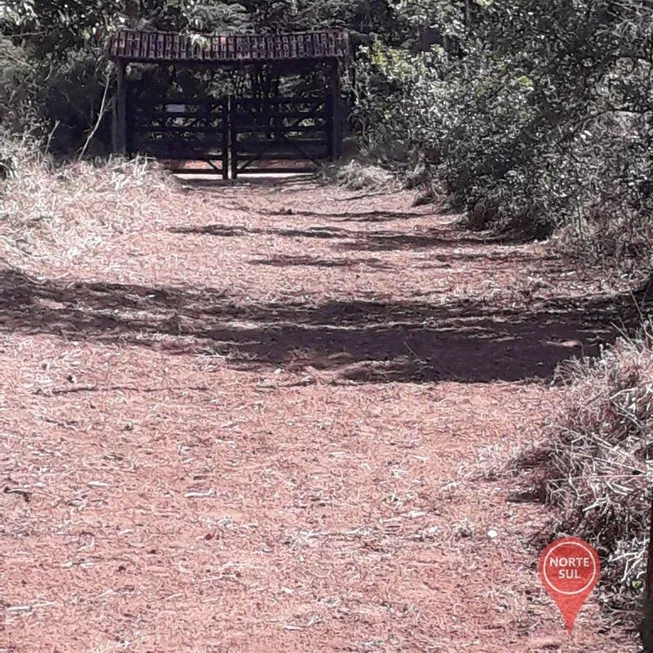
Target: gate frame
[[234, 51]]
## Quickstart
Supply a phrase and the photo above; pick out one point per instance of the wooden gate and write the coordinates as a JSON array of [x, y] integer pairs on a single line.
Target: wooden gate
[[278, 134], [180, 129], [234, 135]]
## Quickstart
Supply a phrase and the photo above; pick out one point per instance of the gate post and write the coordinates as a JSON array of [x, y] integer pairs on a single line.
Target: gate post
[[233, 121], [120, 108], [336, 132], [225, 137], [328, 106], [234, 137]]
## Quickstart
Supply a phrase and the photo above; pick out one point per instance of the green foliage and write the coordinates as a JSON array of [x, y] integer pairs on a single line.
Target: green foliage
[[219, 17], [542, 116], [17, 78], [51, 28]]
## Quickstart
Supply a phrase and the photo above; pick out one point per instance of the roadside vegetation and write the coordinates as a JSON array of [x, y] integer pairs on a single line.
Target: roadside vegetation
[[593, 461]]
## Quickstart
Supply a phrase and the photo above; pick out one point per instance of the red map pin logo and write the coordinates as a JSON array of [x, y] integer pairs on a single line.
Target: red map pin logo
[[569, 569]]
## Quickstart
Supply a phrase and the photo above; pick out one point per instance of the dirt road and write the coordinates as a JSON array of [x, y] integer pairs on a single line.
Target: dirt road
[[276, 418]]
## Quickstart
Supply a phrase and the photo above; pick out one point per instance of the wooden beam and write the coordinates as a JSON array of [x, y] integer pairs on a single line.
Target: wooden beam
[[225, 138], [233, 146], [336, 109], [114, 125], [120, 108]]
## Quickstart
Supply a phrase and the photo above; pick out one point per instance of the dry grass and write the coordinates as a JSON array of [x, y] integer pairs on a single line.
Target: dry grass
[[56, 216], [357, 175], [598, 459], [620, 240]]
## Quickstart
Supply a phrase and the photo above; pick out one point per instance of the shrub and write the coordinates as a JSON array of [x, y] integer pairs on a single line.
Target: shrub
[[18, 89], [599, 453], [540, 119], [71, 100]]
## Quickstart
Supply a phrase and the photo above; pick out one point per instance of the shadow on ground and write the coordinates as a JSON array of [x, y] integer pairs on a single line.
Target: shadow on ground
[[468, 340], [353, 239], [349, 216], [317, 262]]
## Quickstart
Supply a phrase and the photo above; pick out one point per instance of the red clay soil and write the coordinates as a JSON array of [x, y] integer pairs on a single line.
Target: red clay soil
[[277, 420]]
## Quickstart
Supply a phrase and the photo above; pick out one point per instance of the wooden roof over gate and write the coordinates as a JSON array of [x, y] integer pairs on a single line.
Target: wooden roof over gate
[[165, 47]]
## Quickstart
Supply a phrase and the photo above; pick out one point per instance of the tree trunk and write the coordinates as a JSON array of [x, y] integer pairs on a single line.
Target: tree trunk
[[646, 628]]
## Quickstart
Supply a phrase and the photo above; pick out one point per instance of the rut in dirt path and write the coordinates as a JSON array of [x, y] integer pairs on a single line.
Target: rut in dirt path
[[272, 420]]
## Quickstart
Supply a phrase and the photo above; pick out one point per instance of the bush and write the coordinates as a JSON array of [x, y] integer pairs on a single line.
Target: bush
[[541, 119], [59, 104], [599, 460], [18, 88], [70, 100]]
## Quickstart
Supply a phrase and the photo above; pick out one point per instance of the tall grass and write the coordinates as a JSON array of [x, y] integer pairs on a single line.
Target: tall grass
[[599, 459]]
